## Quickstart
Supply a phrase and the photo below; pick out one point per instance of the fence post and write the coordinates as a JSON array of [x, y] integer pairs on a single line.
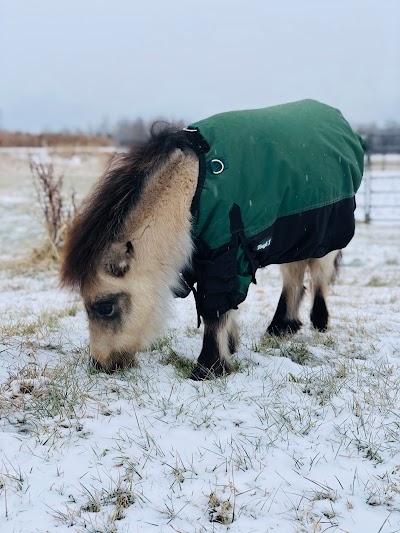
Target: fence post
[[367, 190]]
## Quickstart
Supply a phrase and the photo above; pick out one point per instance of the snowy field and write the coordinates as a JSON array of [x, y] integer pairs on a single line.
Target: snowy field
[[303, 437]]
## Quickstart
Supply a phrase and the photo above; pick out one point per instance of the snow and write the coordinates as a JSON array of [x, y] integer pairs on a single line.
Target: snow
[[303, 437]]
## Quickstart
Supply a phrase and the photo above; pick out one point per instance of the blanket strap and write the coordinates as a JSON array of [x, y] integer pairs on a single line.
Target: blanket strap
[[237, 230], [187, 286]]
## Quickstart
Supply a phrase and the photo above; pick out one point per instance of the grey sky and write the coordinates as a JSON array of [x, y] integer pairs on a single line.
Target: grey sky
[[73, 63]]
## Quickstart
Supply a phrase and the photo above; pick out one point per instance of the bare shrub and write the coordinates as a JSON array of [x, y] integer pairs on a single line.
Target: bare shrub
[[57, 210]]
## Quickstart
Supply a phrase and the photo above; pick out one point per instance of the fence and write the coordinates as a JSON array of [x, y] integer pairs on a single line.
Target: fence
[[378, 198]]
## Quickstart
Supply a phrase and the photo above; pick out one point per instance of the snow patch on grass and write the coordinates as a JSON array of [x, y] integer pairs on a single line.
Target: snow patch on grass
[[303, 436]]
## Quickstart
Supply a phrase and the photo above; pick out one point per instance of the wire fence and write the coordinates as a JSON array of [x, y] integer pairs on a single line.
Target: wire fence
[[378, 198]]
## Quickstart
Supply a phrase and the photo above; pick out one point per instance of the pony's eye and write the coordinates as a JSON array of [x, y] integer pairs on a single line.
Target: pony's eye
[[104, 309]]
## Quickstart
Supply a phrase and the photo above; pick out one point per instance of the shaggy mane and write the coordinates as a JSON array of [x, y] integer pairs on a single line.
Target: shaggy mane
[[103, 213]]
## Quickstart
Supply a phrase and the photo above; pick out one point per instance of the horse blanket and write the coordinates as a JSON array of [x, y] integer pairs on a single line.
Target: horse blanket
[[276, 185]]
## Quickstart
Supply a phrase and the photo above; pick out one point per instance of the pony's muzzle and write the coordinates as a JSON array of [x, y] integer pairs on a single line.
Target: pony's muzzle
[[116, 361], [101, 367]]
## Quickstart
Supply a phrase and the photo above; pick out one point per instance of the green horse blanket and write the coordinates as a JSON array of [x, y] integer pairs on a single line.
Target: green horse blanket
[[276, 185]]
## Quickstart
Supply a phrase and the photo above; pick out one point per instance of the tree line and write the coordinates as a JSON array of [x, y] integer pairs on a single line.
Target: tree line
[[381, 140], [131, 132]]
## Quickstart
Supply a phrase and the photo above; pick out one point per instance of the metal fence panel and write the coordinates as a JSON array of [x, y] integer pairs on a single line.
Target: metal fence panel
[[378, 198]]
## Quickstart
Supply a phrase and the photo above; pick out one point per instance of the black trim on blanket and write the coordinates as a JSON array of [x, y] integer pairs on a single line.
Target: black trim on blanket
[[197, 141], [311, 234], [200, 146], [194, 208]]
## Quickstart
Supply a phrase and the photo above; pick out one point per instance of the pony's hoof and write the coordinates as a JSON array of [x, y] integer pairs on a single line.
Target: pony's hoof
[[284, 327], [201, 373], [320, 326], [320, 321]]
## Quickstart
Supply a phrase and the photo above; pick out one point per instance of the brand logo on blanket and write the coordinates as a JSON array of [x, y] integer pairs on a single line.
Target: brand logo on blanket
[[264, 245]]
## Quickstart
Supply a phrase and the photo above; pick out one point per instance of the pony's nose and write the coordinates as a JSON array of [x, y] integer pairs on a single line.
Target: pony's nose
[[101, 367], [117, 361]]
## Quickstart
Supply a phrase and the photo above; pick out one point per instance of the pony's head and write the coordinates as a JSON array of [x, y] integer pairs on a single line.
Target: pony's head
[[128, 244]]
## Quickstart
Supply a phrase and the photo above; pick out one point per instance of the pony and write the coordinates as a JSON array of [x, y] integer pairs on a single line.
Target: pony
[[142, 236]]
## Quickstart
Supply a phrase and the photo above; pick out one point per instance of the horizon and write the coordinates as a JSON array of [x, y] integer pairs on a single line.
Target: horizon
[[76, 67], [100, 130]]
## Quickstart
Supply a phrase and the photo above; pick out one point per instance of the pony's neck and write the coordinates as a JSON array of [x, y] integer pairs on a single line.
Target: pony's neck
[[160, 225]]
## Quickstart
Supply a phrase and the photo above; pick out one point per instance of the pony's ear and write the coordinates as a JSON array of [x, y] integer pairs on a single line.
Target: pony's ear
[[118, 257]]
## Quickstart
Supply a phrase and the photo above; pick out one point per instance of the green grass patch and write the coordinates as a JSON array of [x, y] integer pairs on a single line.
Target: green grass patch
[[183, 365]]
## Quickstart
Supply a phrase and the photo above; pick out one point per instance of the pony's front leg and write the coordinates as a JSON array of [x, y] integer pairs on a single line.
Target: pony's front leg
[[219, 342]]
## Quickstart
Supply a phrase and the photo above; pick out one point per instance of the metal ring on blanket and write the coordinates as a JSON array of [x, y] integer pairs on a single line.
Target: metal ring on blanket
[[222, 166]]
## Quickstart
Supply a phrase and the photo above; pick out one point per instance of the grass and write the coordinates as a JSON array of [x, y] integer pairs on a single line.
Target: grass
[[54, 401], [182, 365], [119, 495], [168, 356], [220, 509], [303, 436], [298, 351], [35, 392], [40, 327]]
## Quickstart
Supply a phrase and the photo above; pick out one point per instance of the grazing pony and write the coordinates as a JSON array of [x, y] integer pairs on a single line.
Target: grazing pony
[[201, 209]]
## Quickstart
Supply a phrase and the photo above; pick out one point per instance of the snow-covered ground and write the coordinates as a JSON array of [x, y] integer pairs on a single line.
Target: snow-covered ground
[[303, 437]]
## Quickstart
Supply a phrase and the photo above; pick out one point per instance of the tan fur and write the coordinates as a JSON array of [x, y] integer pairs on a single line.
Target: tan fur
[[159, 229], [234, 327], [226, 327], [321, 273], [293, 276]]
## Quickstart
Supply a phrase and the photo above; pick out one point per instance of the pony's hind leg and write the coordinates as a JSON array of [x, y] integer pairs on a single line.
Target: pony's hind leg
[[322, 272], [286, 318], [219, 342]]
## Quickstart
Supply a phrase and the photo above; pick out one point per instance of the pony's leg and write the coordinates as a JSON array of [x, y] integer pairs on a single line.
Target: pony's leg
[[219, 341], [322, 272], [286, 318], [233, 332]]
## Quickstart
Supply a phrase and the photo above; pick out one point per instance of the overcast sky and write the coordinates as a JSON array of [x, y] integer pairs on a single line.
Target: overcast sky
[[70, 63]]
